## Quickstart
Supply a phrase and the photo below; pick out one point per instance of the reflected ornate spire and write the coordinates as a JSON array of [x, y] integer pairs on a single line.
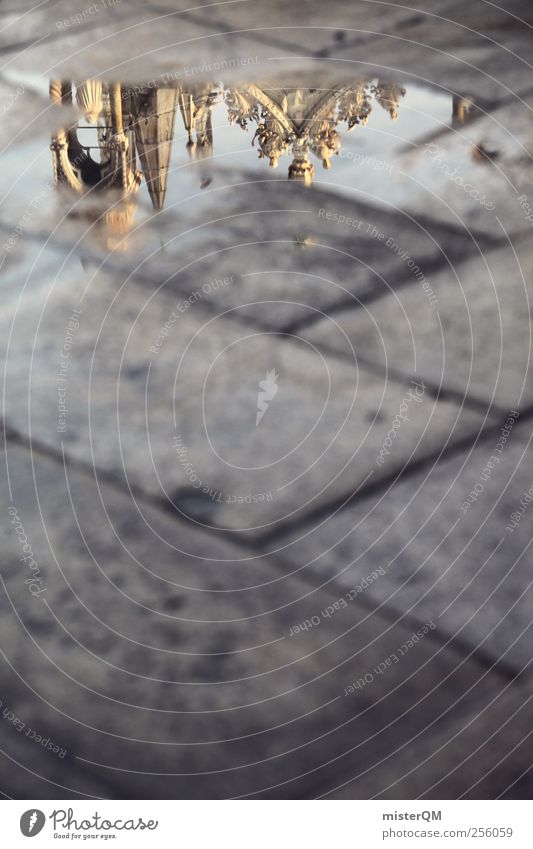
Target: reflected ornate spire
[[154, 117]]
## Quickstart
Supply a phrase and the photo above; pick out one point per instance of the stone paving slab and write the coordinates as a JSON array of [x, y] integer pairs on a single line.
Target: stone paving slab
[[493, 743], [474, 339], [462, 48], [453, 540], [289, 728], [56, 26], [310, 28], [452, 45], [293, 251], [171, 404], [275, 25], [131, 41]]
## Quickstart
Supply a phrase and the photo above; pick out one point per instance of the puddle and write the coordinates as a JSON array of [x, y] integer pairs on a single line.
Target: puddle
[[123, 151], [161, 141], [353, 132]]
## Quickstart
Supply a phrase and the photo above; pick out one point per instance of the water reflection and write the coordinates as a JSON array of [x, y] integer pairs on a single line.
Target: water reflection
[[131, 122], [125, 133]]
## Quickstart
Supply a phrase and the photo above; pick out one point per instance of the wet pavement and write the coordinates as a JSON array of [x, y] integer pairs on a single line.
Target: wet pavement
[[266, 341]]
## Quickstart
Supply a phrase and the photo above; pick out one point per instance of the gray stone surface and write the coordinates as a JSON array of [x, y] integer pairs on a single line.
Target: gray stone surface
[[461, 48], [475, 339], [131, 393], [297, 251], [171, 658], [313, 29], [110, 663], [135, 42], [447, 43], [490, 744], [446, 541]]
